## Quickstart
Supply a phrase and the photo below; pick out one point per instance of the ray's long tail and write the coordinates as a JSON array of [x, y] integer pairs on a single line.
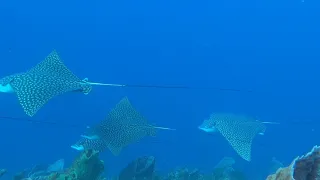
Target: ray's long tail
[[164, 128], [163, 86], [267, 122]]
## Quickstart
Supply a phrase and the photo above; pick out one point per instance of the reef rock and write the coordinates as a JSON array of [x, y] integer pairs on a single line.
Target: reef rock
[[306, 167], [139, 169]]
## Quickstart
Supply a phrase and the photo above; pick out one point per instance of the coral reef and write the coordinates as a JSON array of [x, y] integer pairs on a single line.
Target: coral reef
[[223, 169], [219, 173], [87, 166], [304, 167], [143, 168], [139, 169], [184, 174], [2, 172], [236, 175], [274, 165], [225, 174], [195, 174], [20, 176]]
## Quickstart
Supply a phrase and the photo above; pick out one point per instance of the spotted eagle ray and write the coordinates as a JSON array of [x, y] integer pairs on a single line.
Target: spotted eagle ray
[[124, 125], [51, 78], [238, 130], [35, 87]]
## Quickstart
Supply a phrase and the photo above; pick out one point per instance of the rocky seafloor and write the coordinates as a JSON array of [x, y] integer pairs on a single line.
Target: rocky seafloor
[[88, 166]]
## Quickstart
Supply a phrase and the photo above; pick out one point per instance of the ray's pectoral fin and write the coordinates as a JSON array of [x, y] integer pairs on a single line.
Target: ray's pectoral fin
[[115, 150]]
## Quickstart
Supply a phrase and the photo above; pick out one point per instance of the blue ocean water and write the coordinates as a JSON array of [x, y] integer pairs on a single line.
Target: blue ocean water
[[270, 47]]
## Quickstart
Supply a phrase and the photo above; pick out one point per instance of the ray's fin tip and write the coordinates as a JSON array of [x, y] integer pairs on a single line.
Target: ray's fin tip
[[30, 113], [268, 122], [115, 150]]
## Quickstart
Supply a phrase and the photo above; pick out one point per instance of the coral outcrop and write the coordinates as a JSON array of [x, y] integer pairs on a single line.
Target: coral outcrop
[[2, 172], [219, 173], [139, 169], [87, 166], [184, 174], [306, 167], [143, 168]]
